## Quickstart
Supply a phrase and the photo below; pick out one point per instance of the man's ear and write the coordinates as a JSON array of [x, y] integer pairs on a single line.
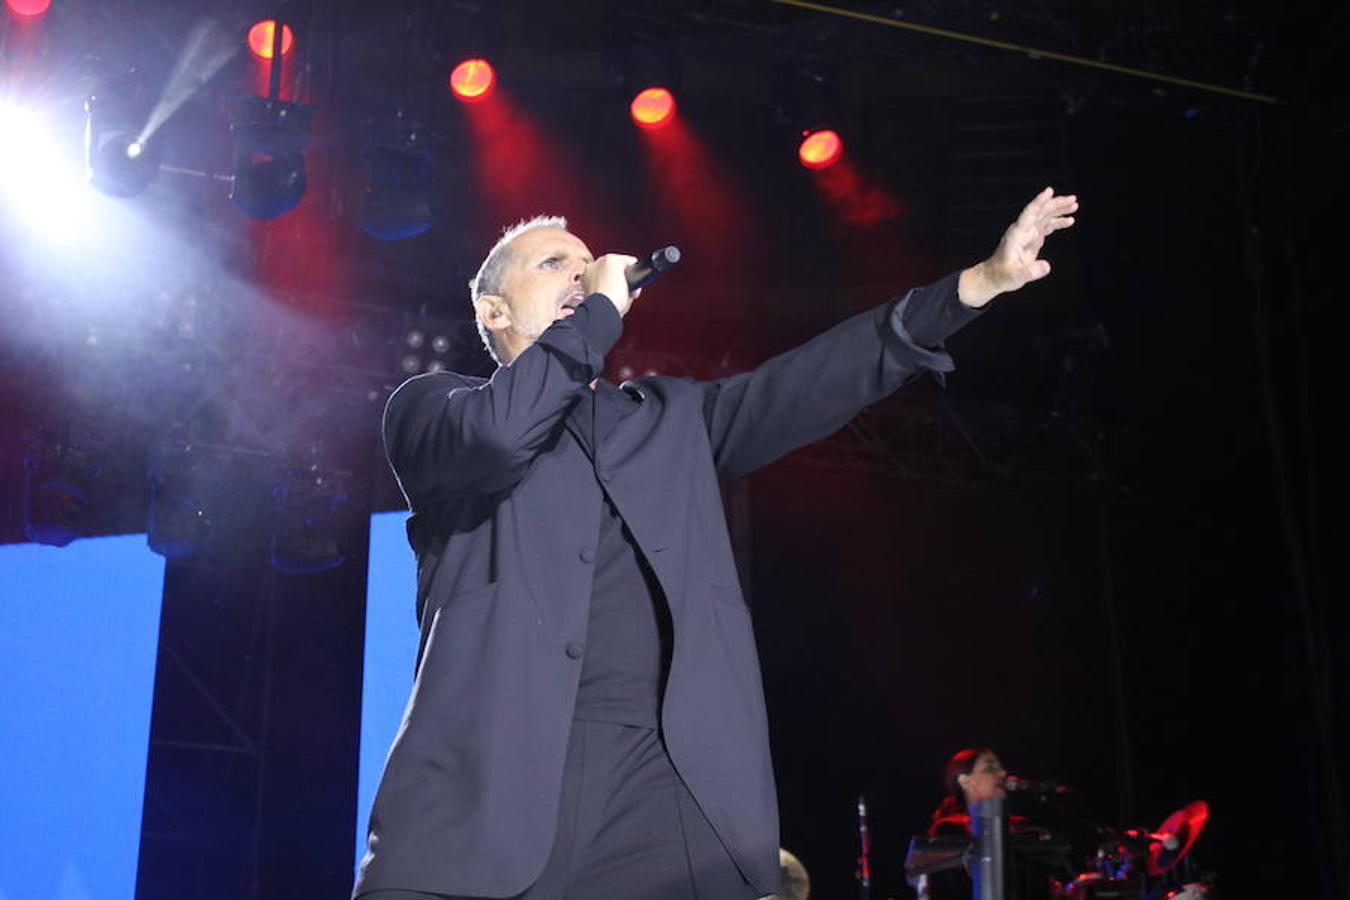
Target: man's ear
[[491, 310]]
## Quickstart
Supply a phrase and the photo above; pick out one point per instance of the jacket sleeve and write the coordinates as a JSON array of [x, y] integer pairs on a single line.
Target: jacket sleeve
[[449, 435], [812, 391]]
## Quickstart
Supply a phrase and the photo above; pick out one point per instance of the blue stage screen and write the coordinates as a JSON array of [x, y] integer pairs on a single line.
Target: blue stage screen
[[391, 649], [79, 628]]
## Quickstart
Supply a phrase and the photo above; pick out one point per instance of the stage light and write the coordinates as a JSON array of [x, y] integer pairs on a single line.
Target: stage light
[[397, 204], [57, 492], [472, 80], [653, 107], [270, 137], [820, 149], [307, 507], [182, 511], [262, 35], [29, 8], [117, 161], [434, 345]]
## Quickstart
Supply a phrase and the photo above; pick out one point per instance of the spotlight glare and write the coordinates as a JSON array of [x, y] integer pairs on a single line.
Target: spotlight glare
[[653, 107], [261, 35], [820, 149], [29, 8], [38, 178], [472, 80]]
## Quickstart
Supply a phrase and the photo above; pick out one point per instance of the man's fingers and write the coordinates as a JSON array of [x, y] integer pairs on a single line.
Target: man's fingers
[[1047, 204]]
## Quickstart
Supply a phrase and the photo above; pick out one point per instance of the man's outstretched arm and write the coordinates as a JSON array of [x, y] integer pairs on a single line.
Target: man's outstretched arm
[[812, 391]]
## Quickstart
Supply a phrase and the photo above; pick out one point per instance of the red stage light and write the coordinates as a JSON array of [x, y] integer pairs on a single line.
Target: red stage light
[[820, 149], [472, 80], [260, 38], [653, 107], [30, 8]]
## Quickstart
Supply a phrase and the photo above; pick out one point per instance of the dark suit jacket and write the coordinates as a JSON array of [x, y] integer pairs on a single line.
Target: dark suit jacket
[[506, 513]]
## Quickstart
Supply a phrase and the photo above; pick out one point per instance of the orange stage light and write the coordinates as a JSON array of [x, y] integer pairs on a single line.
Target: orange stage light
[[29, 8], [260, 38], [472, 80], [653, 107], [820, 149]]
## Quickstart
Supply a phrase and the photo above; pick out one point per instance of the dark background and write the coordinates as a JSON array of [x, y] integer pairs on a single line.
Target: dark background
[[1103, 548]]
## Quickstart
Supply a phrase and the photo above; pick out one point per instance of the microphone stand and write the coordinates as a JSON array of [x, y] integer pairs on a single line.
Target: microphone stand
[[988, 818], [864, 873]]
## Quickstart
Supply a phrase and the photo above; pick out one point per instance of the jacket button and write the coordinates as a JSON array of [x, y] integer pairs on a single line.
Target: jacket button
[[573, 650], [587, 554], [604, 475]]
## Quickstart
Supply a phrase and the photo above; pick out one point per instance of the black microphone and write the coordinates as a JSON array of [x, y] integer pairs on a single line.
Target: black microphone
[[645, 271], [1015, 784]]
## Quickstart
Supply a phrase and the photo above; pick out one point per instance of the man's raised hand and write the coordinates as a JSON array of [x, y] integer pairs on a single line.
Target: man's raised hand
[[1016, 261]]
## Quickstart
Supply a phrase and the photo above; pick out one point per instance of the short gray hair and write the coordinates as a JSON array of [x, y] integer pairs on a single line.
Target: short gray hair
[[489, 277]]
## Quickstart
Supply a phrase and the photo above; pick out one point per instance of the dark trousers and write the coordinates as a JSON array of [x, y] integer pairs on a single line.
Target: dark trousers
[[627, 828]]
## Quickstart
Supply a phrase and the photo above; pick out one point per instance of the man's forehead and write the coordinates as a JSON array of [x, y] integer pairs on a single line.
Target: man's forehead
[[548, 240]]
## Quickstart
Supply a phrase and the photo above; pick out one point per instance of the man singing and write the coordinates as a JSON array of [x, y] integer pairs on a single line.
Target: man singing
[[587, 720]]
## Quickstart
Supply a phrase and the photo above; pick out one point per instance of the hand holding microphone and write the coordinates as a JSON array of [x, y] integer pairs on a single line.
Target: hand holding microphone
[[603, 275], [606, 275]]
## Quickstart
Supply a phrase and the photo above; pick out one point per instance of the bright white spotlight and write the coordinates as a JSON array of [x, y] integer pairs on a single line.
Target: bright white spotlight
[[40, 183]]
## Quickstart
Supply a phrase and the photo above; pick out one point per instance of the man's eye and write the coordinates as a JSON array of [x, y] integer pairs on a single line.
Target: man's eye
[[550, 263]]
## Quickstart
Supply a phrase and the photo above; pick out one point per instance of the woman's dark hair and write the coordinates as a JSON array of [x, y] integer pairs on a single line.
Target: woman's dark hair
[[953, 805]]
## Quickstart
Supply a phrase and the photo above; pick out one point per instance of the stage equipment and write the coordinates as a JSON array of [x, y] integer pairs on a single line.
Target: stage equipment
[[206, 500], [306, 520], [270, 137], [472, 80], [397, 202], [645, 271], [864, 873], [463, 40], [262, 39], [29, 9], [117, 161], [653, 107], [806, 108], [647, 67], [183, 503], [1175, 836], [989, 821], [1136, 863], [435, 345], [58, 490], [1046, 850], [820, 149]]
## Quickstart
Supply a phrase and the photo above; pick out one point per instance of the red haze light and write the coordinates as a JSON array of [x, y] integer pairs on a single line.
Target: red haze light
[[820, 149], [653, 107], [472, 80], [260, 38], [29, 8]]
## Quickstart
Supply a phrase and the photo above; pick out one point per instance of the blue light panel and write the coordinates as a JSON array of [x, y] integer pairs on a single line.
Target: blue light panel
[[391, 648], [79, 629]]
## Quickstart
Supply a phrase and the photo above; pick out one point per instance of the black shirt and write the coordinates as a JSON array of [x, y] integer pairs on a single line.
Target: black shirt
[[628, 636]]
